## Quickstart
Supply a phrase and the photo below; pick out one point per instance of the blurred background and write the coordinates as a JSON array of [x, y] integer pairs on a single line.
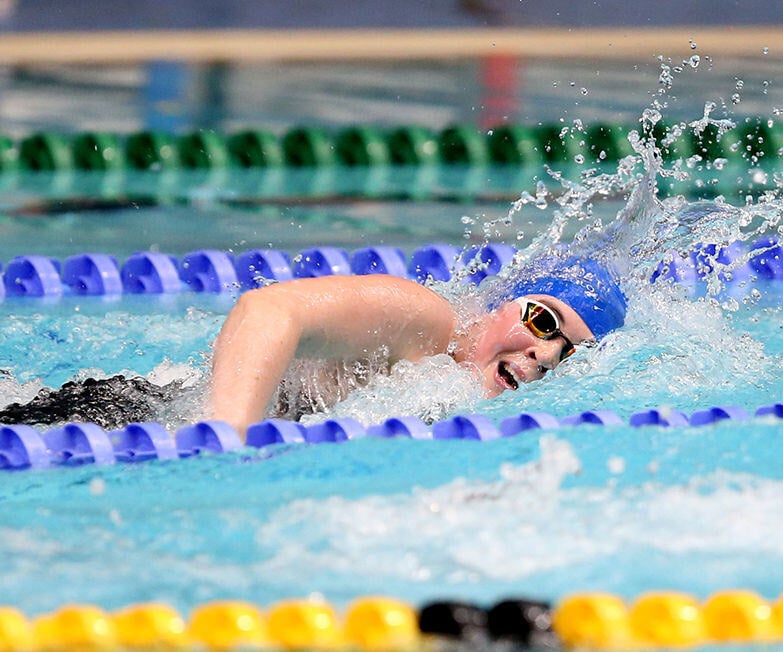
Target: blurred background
[[96, 78], [34, 15]]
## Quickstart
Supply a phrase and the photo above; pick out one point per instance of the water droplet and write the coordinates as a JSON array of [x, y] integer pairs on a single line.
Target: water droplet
[[666, 78], [760, 177]]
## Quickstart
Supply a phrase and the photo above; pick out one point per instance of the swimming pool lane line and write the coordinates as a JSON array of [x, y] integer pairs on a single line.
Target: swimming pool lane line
[[213, 271], [593, 621], [76, 444], [370, 146]]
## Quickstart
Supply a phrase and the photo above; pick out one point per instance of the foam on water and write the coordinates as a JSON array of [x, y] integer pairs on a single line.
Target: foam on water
[[581, 509], [529, 526], [432, 389]]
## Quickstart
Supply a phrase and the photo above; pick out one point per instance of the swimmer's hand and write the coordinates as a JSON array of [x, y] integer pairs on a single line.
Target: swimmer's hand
[[333, 317]]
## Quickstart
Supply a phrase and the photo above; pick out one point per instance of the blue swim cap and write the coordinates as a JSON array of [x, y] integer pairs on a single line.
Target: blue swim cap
[[589, 287]]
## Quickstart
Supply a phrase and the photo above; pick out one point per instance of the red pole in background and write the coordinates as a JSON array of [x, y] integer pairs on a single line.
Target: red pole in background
[[499, 77]]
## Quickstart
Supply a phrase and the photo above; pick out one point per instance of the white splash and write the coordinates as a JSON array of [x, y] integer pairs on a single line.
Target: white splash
[[522, 524]]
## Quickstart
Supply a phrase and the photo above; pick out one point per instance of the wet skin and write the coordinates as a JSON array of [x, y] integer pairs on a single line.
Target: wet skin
[[506, 354]]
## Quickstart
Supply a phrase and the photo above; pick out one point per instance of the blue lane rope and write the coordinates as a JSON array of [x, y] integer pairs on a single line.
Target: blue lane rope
[[76, 444], [22, 446], [215, 271]]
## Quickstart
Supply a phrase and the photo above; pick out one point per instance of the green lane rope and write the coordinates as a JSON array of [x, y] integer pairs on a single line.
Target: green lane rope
[[754, 140]]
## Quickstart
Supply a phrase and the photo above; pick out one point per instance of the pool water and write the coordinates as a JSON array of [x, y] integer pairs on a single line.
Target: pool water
[[543, 514]]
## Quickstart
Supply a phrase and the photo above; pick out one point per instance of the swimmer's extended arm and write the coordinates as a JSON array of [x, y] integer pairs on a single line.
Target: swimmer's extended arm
[[345, 317]]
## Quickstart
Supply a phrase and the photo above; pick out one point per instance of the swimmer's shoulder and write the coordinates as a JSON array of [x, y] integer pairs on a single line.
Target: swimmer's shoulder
[[353, 291]]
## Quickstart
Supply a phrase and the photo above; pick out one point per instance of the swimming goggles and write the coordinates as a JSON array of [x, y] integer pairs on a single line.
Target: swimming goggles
[[544, 323]]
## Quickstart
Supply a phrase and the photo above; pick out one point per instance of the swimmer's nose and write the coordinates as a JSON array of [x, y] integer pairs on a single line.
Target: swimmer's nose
[[546, 353]]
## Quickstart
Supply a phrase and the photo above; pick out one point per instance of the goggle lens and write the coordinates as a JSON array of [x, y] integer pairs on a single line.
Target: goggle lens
[[542, 322]]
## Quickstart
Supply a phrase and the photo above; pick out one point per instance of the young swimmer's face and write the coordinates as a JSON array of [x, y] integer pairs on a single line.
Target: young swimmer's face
[[508, 354]]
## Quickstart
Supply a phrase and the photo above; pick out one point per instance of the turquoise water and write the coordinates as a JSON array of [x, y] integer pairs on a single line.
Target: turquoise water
[[542, 514]]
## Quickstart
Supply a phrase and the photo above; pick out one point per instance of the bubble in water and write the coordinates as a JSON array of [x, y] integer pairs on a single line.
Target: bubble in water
[[739, 84], [736, 99], [764, 50], [719, 163], [616, 465], [694, 61], [583, 90], [692, 43], [97, 486]]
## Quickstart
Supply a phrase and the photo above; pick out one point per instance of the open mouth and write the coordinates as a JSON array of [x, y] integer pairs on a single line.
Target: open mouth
[[508, 376]]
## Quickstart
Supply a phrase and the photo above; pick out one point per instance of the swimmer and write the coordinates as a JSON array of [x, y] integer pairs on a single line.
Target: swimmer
[[532, 327]]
